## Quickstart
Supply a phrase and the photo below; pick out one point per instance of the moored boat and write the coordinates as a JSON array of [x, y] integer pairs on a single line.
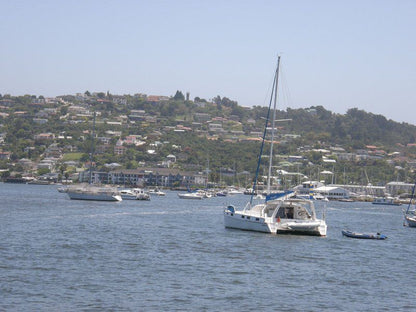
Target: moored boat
[[141, 194], [90, 192], [281, 216], [386, 201], [190, 195], [363, 235], [280, 213], [156, 192]]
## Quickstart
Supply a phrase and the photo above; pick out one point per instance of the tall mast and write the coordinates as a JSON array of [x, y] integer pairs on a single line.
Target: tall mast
[[273, 125], [264, 133]]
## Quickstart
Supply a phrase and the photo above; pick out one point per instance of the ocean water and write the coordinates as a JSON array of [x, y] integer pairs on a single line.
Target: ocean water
[[170, 254]]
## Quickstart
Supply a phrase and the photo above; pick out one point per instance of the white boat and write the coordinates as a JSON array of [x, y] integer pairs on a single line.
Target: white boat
[[62, 189], [128, 194], [156, 192], [385, 201], [279, 213], [141, 194], [411, 220], [195, 195], [90, 192], [281, 216], [234, 192]]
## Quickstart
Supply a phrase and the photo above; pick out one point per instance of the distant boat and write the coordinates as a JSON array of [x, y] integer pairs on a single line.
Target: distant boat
[[62, 189], [250, 191], [195, 195], [91, 192], [221, 193], [234, 192], [141, 194], [128, 194], [156, 192], [363, 235], [280, 213], [134, 194], [385, 201]]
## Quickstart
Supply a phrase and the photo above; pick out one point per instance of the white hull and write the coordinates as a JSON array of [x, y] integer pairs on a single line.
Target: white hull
[[156, 192], [128, 197], [411, 221], [93, 196], [190, 196], [93, 193], [134, 194], [318, 228], [236, 222], [269, 218]]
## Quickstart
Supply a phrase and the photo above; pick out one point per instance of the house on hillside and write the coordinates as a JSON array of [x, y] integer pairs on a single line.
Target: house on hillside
[[44, 137]]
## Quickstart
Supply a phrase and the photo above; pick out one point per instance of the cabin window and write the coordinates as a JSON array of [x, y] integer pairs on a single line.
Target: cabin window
[[289, 212], [248, 218], [242, 217], [257, 219], [281, 213]]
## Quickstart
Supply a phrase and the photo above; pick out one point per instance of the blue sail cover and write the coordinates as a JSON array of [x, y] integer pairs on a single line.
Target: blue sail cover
[[273, 196]]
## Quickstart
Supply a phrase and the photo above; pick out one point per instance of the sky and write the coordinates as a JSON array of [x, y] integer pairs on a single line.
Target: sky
[[337, 54]]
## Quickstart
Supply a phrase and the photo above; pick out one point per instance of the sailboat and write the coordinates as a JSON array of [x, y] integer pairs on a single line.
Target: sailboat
[[280, 213], [89, 191], [410, 215]]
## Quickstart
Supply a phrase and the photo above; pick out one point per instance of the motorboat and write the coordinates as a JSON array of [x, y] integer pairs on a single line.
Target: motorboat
[[156, 192], [91, 192], [234, 192], [62, 189], [221, 193], [363, 235], [141, 194], [128, 194], [190, 195], [386, 201]]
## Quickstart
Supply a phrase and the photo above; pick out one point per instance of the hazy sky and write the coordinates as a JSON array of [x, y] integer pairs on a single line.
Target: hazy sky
[[338, 54]]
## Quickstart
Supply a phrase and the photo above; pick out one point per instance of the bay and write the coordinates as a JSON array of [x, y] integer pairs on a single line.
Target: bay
[[169, 254]]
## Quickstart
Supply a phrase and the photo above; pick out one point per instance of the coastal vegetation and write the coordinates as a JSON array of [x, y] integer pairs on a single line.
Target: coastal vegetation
[[139, 130]]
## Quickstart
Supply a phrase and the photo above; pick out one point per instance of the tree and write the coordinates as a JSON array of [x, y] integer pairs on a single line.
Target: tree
[[42, 171], [179, 96]]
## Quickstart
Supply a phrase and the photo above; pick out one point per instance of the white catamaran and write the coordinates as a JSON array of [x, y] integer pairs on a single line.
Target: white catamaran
[[280, 213]]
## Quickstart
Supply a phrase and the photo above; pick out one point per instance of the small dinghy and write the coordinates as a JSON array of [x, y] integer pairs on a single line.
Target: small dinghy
[[363, 235]]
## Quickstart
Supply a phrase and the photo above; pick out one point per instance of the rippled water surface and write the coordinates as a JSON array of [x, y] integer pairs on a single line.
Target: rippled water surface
[[170, 254]]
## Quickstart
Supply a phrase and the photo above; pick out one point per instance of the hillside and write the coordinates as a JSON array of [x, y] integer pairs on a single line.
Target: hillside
[[218, 133]]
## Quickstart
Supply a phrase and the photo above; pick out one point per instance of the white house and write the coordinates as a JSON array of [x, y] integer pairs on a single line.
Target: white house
[[333, 192]]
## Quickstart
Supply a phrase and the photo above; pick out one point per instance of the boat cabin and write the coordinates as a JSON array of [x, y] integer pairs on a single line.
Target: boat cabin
[[289, 210]]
